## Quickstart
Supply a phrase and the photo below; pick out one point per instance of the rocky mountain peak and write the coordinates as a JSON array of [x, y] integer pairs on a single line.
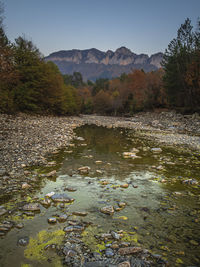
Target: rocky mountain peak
[[93, 63], [124, 51]]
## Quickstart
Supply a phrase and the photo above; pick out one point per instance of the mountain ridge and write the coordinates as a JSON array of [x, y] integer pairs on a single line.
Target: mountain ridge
[[107, 64]]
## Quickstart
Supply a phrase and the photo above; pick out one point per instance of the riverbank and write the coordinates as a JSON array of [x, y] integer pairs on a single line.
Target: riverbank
[[122, 206], [28, 140]]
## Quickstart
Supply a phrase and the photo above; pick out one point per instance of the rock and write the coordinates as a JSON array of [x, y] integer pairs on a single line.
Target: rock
[[74, 228], [31, 207], [80, 213], [69, 252], [107, 210], [79, 138], [2, 211], [29, 213], [45, 202], [62, 198], [193, 242], [129, 155], [106, 236], [6, 226], [124, 185], [3, 172], [129, 250], [98, 162], [124, 264], [114, 245], [62, 218], [84, 170], [26, 186], [104, 182], [51, 174], [135, 150], [19, 225], [156, 150], [99, 172], [71, 189], [109, 252], [23, 241], [50, 194], [52, 220], [190, 181], [115, 235], [121, 204], [99, 263]]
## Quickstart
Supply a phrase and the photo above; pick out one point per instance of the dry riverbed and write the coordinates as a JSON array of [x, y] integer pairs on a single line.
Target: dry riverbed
[[27, 140]]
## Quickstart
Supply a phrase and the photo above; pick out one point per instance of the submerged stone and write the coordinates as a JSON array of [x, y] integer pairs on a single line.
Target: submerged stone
[[71, 189], [62, 218], [46, 202], [52, 220], [51, 174], [31, 207], [121, 204], [124, 185], [129, 155], [107, 210], [84, 170], [62, 198], [50, 194], [80, 213], [129, 250], [23, 241], [74, 228], [156, 150]]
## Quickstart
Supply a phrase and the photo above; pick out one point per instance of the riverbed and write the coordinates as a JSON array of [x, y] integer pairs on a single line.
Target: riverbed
[[151, 192]]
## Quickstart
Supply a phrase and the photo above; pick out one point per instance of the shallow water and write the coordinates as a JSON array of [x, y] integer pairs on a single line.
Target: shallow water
[[162, 211]]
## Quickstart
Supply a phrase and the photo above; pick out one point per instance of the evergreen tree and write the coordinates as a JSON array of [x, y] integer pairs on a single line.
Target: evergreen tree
[[177, 59]]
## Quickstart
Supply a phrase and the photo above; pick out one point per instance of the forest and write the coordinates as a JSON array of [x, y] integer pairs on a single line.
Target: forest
[[29, 84]]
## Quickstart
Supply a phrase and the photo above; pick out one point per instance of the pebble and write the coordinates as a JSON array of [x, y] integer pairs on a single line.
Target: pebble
[[52, 220], [129, 250], [107, 210], [26, 186], [23, 241], [31, 207], [109, 252], [124, 264]]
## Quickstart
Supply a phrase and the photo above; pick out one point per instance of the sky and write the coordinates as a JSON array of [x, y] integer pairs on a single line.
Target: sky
[[143, 26]]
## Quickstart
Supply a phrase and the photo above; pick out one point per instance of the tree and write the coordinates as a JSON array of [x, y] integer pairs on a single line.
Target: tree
[[177, 60], [8, 73]]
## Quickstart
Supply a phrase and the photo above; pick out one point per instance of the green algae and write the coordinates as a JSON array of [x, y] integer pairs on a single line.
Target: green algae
[[25, 265], [130, 237], [88, 237], [35, 250]]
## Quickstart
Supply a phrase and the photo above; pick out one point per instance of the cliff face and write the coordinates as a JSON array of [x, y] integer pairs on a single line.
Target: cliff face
[[93, 63]]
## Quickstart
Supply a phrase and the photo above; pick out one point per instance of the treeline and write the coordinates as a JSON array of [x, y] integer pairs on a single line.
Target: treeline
[[29, 84], [127, 94], [176, 85]]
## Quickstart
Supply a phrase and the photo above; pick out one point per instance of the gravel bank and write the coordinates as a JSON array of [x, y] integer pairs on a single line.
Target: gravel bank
[[27, 140], [165, 127]]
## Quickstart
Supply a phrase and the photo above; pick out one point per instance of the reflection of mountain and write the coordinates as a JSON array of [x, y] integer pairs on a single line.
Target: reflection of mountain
[[93, 63]]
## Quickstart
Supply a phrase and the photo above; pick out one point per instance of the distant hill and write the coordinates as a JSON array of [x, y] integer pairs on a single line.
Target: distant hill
[[93, 63]]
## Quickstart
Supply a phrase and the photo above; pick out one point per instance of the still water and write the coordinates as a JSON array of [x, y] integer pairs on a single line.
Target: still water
[[162, 203]]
